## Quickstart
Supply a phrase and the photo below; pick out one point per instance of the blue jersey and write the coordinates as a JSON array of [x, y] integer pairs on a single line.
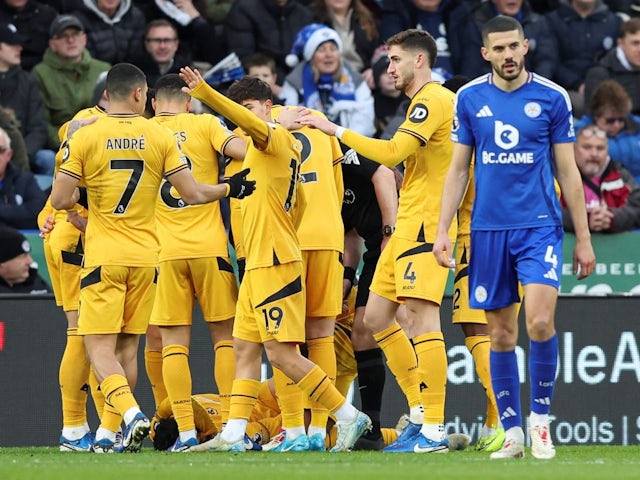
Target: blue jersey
[[513, 134]]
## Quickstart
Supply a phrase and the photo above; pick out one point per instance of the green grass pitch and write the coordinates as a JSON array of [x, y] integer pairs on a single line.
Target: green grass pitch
[[575, 462]]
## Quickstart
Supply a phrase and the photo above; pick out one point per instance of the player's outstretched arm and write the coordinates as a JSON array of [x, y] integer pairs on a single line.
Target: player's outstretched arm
[[386, 152], [321, 123], [257, 129], [454, 187], [584, 259]]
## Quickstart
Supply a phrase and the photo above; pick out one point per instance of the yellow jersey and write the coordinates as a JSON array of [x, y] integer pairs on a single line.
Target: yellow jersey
[[428, 121], [193, 231], [122, 159], [321, 225], [268, 230]]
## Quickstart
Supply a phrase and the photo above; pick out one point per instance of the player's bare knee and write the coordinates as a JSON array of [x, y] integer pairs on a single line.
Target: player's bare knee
[[540, 328]]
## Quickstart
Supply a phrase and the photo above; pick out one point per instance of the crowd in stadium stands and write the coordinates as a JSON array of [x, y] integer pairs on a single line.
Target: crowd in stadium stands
[[52, 52]]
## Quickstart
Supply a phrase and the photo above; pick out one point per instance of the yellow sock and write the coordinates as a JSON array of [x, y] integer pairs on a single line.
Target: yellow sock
[[244, 394], [479, 346], [224, 373], [96, 393], [317, 385], [153, 365], [432, 366], [290, 399], [117, 393], [73, 376], [111, 419], [330, 439], [322, 352], [389, 435], [177, 381], [402, 361]]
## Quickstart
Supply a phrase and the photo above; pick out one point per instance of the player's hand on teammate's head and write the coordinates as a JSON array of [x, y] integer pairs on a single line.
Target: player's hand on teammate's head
[[191, 77], [289, 117], [320, 123], [239, 186]]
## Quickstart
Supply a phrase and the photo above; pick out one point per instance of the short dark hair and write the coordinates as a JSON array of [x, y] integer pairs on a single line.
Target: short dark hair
[[500, 23], [122, 79], [160, 22], [166, 433], [415, 39], [259, 59], [169, 86], [249, 88]]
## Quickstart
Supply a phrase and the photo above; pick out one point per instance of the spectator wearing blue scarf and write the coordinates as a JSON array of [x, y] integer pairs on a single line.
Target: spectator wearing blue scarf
[[325, 82]]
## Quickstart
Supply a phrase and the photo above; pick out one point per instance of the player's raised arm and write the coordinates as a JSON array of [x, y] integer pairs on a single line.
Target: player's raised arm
[[257, 129]]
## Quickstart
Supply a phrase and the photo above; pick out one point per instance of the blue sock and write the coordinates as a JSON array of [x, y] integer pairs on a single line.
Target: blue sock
[[506, 387], [543, 363]]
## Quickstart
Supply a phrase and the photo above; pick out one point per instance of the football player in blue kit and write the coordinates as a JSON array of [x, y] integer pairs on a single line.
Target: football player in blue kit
[[520, 126]]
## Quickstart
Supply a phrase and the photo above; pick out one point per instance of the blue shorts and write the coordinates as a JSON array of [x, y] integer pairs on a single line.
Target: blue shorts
[[503, 258]]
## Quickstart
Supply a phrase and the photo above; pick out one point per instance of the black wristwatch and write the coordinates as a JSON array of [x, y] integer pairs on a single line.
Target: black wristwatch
[[388, 230]]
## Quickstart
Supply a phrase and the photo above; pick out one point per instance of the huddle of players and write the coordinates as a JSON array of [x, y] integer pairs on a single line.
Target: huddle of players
[[194, 259], [272, 297]]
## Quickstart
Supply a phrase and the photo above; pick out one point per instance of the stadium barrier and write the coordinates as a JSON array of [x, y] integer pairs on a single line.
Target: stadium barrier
[[617, 270], [595, 402]]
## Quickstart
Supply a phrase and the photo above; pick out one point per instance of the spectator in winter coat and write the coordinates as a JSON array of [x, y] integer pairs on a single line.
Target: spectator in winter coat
[[32, 19], [611, 194], [325, 82], [621, 64], [114, 29], [67, 74], [594, 29], [20, 196], [610, 109], [466, 22], [268, 26]]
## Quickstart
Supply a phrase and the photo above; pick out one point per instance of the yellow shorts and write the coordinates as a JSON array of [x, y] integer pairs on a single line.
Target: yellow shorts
[[64, 271], [271, 305], [462, 313], [408, 269], [211, 280], [115, 299], [323, 271]]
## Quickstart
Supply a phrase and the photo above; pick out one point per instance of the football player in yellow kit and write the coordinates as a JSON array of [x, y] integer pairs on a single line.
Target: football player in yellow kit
[[407, 271], [194, 258], [62, 233], [122, 158], [271, 305]]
